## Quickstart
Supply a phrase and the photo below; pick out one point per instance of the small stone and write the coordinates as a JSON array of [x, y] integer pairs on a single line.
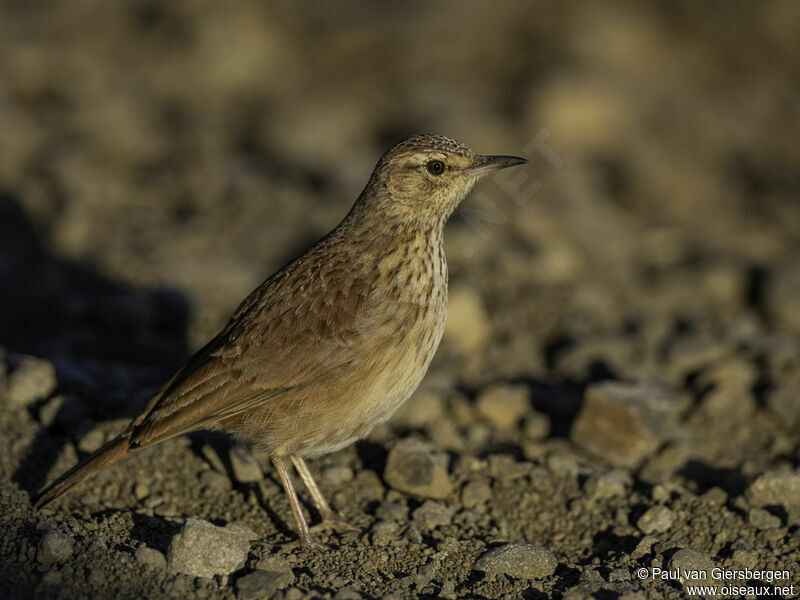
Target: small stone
[[644, 547], [150, 557], [212, 456], [91, 441], [467, 328], [691, 562], [215, 480], [504, 468], [369, 486], [608, 485], [202, 549], [503, 405], [275, 562], [49, 410], [413, 534], [33, 379], [625, 423], [475, 493], [448, 590], [414, 467], [775, 488], [424, 408], [55, 547], [261, 584], [432, 514], [141, 490], [347, 593], [293, 593], [338, 475], [762, 519], [522, 561], [716, 496], [746, 557], [619, 574], [655, 520], [536, 427], [384, 533], [391, 511], [245, 468]]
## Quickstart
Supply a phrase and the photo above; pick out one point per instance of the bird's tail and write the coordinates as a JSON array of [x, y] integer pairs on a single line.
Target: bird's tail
[[106, 455]]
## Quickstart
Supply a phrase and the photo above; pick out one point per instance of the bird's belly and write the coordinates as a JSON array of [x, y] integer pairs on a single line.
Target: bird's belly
[[372, 403]]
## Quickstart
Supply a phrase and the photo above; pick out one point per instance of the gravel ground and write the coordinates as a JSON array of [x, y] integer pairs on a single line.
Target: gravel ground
[[618, 390]]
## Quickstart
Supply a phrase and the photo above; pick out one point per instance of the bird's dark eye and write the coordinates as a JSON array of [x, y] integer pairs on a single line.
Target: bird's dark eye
[[435, 167]]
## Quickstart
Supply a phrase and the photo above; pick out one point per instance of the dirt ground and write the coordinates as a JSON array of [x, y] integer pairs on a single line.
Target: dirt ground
[[618, 389]]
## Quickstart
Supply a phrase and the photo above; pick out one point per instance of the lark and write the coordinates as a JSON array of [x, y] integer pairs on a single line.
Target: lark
[[333, 343]]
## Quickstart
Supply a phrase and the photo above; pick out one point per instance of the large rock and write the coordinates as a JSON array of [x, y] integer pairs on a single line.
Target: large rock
[[625, 422], [201, 549], [416, 468], [523, 561]]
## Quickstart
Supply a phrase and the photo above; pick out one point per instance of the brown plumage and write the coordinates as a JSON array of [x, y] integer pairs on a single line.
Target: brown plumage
[[333, 343]]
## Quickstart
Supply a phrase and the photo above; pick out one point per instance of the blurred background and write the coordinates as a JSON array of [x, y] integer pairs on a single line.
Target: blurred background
[[159, 160]]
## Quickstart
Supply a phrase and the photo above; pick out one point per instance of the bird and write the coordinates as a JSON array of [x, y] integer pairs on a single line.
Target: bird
[[331, 344]]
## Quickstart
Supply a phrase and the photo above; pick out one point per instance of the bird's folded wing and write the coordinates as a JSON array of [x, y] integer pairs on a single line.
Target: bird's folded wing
[[257, 358]]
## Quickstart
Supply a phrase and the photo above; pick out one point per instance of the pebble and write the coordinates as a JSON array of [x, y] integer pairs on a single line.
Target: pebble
[[625, 423], [91, 440], [763, 519], [141, 490], [467, 327], [347, 593], [245, 468], [644, 547], [475, 493], [202, 549], [338, 475], [608, 485], [781, 488], [33, 379], [432, 514], [383, 533], [423, 409], [503, 405], [655, 520], [537, 426], [503, 467], [262, 584], [150, 557], [391, 511], [49, 410], [215, 480], [414, 467], [688, 561], [746, 557], [521, 561], [54, 547]]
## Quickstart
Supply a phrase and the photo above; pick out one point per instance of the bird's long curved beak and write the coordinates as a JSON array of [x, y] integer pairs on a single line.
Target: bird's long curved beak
[[487, 164]]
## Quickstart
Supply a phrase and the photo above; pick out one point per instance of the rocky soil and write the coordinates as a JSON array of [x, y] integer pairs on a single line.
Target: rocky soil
[[618, 390]]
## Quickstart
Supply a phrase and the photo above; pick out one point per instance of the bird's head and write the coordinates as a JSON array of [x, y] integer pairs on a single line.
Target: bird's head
[[425, 177]]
